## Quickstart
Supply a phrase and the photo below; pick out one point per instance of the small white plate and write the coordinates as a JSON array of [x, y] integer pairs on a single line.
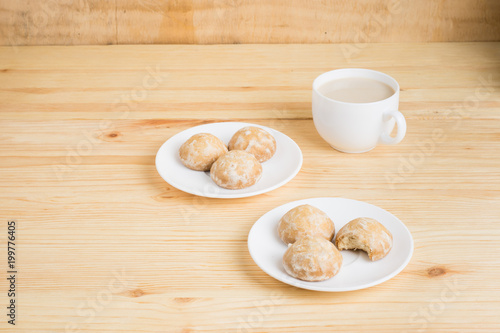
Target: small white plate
[[277, 171], [357, 272]]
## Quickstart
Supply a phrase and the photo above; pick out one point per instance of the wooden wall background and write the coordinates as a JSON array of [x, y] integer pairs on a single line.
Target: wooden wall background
[[66, 22]]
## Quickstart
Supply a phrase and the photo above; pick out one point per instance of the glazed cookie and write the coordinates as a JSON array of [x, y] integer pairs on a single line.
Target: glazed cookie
[[312, 259], [236, 169], [255, 141], [305, 220], [365, 234], [200, 151]]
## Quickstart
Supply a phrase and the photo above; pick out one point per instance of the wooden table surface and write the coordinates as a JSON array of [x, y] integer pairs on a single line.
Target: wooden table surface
[[105, 245]]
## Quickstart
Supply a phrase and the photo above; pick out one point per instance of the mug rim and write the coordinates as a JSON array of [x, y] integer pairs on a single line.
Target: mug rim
[[360, 70]]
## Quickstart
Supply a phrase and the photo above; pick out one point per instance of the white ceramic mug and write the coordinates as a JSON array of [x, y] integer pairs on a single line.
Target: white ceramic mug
[[357, 127]]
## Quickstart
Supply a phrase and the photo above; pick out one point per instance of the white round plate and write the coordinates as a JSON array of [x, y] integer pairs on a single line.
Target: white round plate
[[277, 171], [357, 272]]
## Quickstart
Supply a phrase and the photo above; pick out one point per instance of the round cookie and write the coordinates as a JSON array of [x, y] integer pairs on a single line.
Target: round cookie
[[312, 259], [365, 234], [305, 220], [201, 150], [255, 141], [235, 170]]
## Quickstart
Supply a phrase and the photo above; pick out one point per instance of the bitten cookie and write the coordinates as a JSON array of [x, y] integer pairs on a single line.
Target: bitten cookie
[[312, 259], [305, 220], [236, 169], [200, 151], [254, 140], [365, 234]]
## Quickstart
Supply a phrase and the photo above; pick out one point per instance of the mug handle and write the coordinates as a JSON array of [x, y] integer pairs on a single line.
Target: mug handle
[[386, 138]]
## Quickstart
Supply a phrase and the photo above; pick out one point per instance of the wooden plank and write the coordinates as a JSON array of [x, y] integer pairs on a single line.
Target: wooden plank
[[75, 22], [105, 245], [100, 82]]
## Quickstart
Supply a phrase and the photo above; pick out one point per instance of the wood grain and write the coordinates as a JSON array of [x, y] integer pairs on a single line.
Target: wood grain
[[76, 22], [105, 245]]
